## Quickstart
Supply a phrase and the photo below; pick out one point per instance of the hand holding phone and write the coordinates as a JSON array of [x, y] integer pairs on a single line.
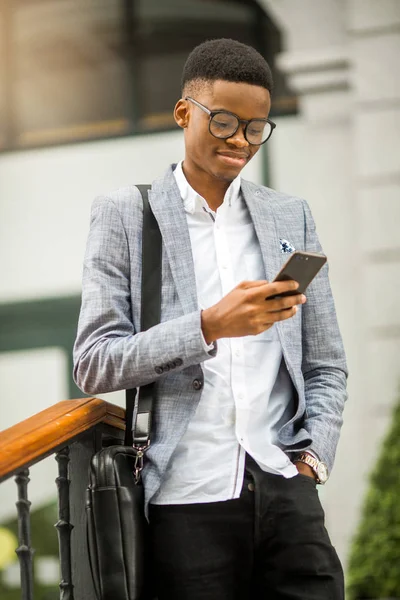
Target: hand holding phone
[[301, 267], [243, 311]]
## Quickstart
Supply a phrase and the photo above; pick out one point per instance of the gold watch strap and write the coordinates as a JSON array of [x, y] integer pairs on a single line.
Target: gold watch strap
[[309, 460], [319, 468]]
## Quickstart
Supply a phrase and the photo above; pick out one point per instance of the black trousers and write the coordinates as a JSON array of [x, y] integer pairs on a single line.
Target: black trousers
[[269, 544]]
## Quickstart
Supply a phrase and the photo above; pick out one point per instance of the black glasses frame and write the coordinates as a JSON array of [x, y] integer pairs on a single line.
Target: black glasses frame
[[213, 113]]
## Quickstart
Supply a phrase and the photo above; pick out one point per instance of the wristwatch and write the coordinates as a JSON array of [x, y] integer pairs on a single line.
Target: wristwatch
[[320, 469]]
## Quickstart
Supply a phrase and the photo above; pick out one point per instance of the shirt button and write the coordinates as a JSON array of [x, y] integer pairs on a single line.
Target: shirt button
[[237, 352], [197, 384], [240, 396], [159, 370], [250, 487]]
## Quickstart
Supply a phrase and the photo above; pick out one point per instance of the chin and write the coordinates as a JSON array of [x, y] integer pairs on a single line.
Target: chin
[[228, 174]]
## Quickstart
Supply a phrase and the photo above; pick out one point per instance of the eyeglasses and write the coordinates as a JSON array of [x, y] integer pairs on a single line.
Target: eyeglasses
[[224, 124]]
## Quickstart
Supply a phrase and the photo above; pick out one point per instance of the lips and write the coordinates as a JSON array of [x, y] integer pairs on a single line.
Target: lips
[[234, 154], [235, 159]]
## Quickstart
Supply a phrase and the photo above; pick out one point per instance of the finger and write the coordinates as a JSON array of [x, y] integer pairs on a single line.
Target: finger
[[274, 304], [281, 315], [280, 287], [275, 288]]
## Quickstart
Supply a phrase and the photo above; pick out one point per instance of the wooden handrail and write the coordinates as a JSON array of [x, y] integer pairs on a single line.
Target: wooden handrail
[[40, 435]]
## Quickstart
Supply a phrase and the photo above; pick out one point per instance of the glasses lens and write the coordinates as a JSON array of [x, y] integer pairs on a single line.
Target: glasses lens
[[258, 131], [223, 125]]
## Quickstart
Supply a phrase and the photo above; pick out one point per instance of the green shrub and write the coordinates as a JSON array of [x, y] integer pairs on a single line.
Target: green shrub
[[374, 566]]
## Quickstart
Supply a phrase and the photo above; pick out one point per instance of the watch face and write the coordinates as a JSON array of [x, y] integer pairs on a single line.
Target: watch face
[[322, 472]]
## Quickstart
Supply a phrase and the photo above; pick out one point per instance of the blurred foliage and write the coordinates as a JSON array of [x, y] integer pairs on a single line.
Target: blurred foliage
[[45, 543], [374, 566]]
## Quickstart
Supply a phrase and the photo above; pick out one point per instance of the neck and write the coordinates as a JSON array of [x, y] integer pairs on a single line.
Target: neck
[[211, 189]]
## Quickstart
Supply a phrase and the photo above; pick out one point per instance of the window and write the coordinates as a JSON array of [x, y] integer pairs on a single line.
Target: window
[[70, 76], [85, 69]]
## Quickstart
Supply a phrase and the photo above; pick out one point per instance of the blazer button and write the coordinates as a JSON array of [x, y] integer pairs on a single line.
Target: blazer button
[[197, 384], [159, 370]]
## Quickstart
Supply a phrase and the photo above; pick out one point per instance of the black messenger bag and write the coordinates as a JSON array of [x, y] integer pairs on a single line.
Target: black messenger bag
[[117, 530]]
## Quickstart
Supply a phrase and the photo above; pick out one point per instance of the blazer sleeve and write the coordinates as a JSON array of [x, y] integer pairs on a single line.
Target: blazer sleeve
[[109, 354], [323, 360]]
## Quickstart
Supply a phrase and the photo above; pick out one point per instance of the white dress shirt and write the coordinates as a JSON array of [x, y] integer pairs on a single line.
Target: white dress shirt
[[247, 394]]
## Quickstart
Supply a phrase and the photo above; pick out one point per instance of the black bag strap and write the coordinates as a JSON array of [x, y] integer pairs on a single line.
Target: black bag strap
[[138, 433]]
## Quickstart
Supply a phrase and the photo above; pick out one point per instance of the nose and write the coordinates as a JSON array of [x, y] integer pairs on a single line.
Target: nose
[[237, 139]]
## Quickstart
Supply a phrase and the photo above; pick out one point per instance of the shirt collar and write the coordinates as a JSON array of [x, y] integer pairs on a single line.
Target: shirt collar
[[192, 201]]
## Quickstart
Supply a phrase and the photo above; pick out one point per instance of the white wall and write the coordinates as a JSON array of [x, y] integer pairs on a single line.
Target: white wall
[[45, 198]]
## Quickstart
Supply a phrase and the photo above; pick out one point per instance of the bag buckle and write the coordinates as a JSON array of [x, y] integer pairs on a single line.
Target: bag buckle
[[139, 462]]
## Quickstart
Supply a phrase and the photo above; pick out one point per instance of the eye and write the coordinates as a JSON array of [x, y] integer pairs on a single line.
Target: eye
[[220, 124], [255, 130]]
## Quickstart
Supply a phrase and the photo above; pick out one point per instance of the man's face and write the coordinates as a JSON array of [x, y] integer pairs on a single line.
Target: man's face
[[218, 158]]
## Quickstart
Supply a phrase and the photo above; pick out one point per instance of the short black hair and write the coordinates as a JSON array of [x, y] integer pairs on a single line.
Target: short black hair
[[228, 60]]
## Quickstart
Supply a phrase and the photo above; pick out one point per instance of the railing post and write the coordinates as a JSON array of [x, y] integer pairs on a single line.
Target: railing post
[[24, 550], [63, 525]]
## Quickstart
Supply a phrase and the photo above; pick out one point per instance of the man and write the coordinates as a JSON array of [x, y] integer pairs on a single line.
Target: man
[[250, 386]]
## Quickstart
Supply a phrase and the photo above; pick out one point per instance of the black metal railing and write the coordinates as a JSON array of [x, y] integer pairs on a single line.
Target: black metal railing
[[24, 550], [63, 525], [73, 465]]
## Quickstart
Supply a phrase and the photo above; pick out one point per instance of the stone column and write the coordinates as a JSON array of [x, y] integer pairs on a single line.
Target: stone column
[[374, 44]]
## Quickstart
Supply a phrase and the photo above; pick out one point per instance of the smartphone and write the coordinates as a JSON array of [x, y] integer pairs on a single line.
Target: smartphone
[[302, 267]]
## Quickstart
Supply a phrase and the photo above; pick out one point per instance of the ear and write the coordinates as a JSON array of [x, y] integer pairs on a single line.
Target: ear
[[181, 113]]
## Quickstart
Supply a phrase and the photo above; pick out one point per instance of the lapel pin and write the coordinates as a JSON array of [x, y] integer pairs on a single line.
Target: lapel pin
[[286, 247]]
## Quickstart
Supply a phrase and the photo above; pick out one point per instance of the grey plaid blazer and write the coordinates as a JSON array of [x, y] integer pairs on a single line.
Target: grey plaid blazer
[[111, 353]]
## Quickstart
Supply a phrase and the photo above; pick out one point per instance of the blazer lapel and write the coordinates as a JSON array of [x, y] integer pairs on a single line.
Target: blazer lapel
[[168, 209], [264, 219], [262, 215]]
